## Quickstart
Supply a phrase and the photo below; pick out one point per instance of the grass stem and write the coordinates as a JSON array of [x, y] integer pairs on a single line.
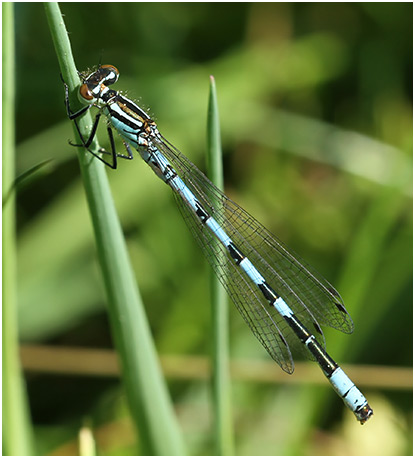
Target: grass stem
[[146, 390], [220, 338]]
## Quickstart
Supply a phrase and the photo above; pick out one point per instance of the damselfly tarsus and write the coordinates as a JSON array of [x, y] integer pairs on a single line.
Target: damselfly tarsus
[[282, 299]]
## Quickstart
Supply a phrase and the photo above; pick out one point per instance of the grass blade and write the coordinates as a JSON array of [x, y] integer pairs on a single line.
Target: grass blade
[[146, 390], [220, 338], [17, 431]]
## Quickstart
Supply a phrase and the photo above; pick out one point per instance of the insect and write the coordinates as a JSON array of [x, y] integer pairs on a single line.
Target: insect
[[283, 300]]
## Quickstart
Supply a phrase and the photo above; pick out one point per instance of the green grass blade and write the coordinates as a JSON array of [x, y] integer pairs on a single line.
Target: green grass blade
[[17, 432], [220, 338], [146, 390]]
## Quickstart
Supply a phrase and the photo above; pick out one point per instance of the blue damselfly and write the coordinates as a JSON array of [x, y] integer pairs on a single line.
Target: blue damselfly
[[282, 299]]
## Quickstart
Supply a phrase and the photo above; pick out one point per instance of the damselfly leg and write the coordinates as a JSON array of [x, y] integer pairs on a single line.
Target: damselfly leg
[[73, 116]]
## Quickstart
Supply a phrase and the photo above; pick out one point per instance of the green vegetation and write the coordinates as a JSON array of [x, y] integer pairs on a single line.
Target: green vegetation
[[316, 127]]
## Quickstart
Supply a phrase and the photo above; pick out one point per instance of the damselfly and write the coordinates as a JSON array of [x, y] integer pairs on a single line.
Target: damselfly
[[282, 300]]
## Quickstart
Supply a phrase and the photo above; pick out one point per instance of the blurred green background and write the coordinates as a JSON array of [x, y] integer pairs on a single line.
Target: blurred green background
[[316, 118]]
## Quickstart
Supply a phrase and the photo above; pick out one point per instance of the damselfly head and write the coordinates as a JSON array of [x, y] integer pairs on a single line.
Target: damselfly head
[[96, 83]]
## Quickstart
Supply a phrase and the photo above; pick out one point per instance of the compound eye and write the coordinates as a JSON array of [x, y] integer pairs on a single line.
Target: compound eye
[[85, 93], [111, 74]]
